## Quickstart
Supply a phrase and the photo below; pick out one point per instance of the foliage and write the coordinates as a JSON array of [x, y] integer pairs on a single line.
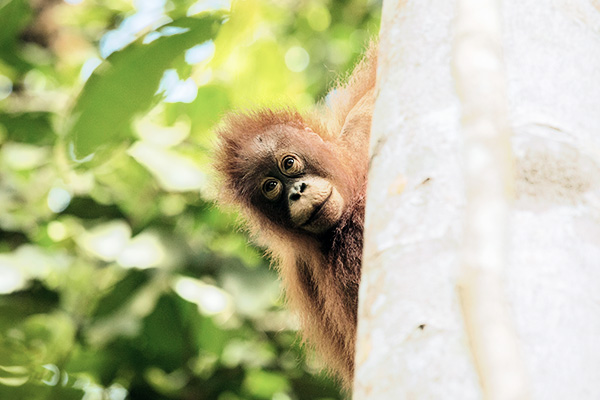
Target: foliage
[[118, 277]]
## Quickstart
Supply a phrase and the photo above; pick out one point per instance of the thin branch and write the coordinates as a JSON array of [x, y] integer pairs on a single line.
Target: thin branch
[[480, 81]]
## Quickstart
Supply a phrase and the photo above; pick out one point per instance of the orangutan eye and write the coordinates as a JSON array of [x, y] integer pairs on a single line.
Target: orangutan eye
[[291, 165], [288, 163], [271, 188]]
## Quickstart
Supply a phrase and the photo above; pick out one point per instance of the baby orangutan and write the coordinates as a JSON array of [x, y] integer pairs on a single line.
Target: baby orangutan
[[300, 180]]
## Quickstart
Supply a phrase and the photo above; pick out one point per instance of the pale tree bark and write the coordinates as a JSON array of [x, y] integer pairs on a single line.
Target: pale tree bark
[[471, 289]]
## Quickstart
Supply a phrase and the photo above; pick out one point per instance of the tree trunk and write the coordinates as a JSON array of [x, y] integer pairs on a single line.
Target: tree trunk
[[481, 271]]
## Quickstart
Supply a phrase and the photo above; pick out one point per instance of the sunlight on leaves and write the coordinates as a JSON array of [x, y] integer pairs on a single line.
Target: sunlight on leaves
[[173, 171], [210, 299], [106, 241]]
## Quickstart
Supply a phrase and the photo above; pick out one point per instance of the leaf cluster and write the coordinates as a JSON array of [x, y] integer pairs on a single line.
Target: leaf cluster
[[119, 278]]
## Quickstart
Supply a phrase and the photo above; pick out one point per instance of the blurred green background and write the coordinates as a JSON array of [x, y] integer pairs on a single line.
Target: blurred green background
[[119, 278]]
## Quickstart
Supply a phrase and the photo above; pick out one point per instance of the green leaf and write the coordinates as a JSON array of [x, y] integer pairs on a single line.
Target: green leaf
[[265, 384], [35, 391], [211, 338], [169, 333], [14, 16], [129, 185], [33, 127], [122, 292], [208, 108], [17, 306], [125, 85]]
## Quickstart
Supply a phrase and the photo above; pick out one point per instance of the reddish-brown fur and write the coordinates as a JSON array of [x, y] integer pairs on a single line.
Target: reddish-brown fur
[[320, 273]]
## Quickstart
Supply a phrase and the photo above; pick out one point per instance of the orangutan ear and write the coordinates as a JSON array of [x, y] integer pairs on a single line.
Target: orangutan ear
[[312, 133]]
